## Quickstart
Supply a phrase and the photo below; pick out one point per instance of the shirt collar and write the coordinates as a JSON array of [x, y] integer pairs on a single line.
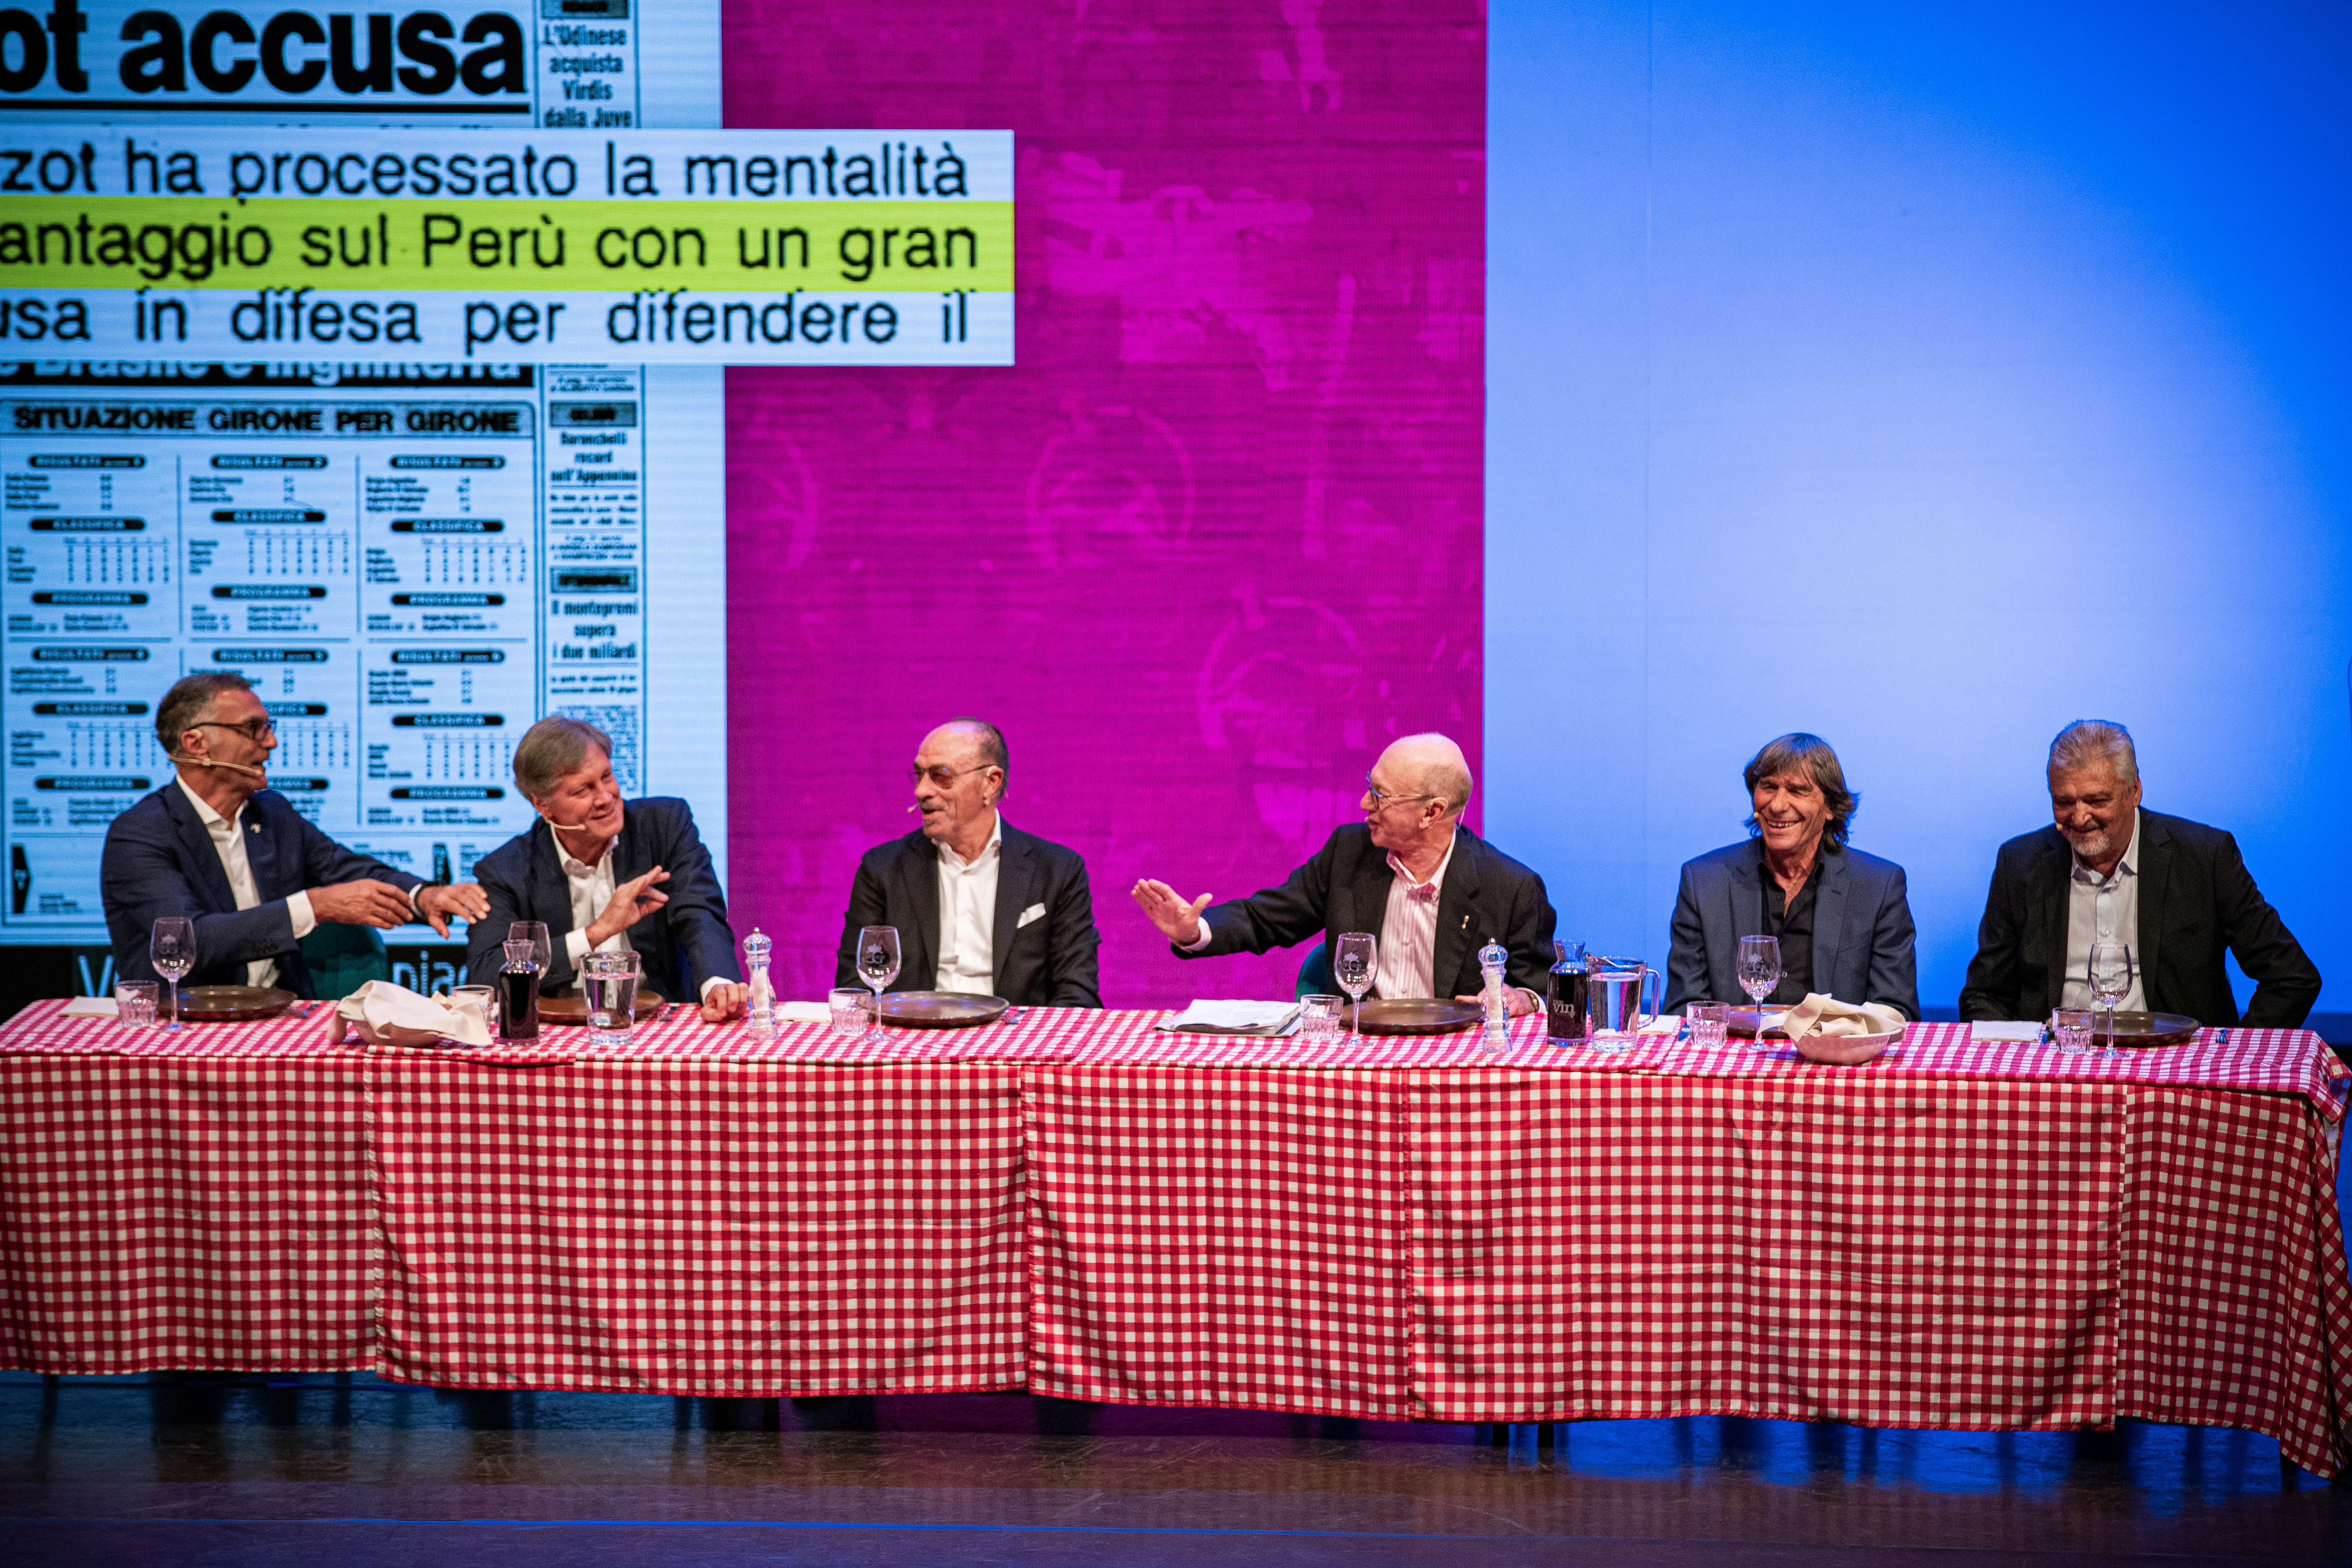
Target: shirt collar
[[2130, 862], [996, 842], [1436, 877], [204, 812], [577, 869]]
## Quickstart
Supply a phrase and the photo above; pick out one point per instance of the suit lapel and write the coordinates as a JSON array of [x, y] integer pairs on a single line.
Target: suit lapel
[[1745, 892], [919, 948], [1449, 954], [202, 853], [1016, 875], [261, 852], [2154, 860], [2055, 870], [1828, 921], [1361, 901]]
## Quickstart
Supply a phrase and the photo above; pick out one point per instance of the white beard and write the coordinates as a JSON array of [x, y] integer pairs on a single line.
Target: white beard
[[2092, 849]]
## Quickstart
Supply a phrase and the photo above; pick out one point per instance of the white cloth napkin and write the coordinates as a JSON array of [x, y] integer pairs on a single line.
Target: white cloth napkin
[[1828, 1017], [90, 1007], [1990, 1029], [386, 1013], [804, 1012], [1235, 1018]]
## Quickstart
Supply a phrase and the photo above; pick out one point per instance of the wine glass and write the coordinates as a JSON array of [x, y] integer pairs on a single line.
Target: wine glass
[[2111, 982], [543, 951], [1352, 963], [172, 948], [878, 965], [1759, 971]]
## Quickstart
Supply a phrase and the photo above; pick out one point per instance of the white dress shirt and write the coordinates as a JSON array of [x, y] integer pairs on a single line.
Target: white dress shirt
[[2103, 909], [228, 843], [967, 962], [592, 887]]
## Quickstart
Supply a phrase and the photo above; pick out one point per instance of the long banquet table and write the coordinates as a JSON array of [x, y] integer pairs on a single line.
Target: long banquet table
[[1960, 1234]]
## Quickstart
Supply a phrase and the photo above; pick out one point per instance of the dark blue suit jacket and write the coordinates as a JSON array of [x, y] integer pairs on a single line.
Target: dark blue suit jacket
[[683, 944], [1861, 929], [159, 860]]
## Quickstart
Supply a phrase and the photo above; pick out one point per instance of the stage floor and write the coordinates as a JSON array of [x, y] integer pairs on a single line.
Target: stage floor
[[221, 1469]]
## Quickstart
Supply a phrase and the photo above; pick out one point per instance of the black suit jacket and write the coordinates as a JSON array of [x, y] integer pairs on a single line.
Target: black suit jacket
[[682, 944], [1049, 962], [159, 860], [2195, 900], [1346, 887]]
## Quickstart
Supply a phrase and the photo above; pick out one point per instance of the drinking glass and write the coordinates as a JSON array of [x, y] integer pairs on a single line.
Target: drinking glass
[[1320, 1020], [2070, 1029], [542, 952], [482, 1000], [848, 1006], [1710, 1023], [608, 986], [172, 948], [1352, 963], [2111, 982], [1759, 971], [134, 1004], [878, 965]]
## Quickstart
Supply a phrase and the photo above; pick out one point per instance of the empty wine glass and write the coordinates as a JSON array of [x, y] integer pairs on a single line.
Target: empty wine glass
[[543, 951], [878, 965], [1352, 963], [1759, 971], [2111, 982], [172, 948]]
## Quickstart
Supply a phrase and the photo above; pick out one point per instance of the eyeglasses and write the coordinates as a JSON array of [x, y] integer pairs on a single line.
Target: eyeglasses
[[254, 730], [1381, 798], [941, 777]]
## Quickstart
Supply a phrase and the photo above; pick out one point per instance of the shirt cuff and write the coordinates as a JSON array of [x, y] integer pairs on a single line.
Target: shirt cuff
[[305, 918], [1206, 935], [713, 984], [575, 946]]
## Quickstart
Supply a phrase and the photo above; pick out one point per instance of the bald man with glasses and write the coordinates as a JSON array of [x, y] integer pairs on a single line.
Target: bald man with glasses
[[217, 845], [980, 907]]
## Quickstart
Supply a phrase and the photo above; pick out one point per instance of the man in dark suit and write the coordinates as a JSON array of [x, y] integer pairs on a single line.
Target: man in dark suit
[[218, 847], [2175, 892], [1430, 891], [1843, 917], [607, 875], [980, 906]]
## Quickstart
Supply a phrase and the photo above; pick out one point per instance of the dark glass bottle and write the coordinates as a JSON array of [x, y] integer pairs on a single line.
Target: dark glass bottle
[[518, 994], [1564, 1000]]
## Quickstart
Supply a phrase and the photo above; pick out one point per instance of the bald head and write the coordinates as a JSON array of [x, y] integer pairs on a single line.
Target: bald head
[[1429, 765]]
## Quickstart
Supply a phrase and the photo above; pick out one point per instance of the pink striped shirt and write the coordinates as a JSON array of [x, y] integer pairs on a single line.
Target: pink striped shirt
[[1408, 965]]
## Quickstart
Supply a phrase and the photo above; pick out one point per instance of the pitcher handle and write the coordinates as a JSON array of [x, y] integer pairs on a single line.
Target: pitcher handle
[[1649, 1003]]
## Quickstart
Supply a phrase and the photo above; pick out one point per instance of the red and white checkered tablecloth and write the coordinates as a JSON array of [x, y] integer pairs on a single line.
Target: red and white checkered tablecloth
[[198, 1214], [713, 1227]]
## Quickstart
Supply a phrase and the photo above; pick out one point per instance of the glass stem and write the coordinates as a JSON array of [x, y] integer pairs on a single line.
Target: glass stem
[[172, 1002]]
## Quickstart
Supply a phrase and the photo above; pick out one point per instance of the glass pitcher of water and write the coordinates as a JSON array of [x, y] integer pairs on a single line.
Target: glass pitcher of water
[[1620, 998]]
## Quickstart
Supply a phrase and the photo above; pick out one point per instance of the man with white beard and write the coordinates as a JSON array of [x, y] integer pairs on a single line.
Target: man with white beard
[[2176, 892]]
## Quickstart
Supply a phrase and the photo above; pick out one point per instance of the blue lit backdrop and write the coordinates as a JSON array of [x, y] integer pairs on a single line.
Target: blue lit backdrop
[[1926, 377]]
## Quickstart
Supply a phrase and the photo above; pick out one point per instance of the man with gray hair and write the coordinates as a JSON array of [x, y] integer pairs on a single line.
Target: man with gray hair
[[608, 875], [1411, 873], [219, 845], [2175, 892]]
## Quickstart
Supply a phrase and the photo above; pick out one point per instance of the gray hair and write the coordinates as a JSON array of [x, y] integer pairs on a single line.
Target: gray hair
[[552, 747], [2088, 742], [191, 698], [993, 751], [1812, 756], [1449, 783]]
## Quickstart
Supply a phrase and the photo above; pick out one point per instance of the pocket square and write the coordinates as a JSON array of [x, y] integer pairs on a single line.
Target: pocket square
[[1033, 912]]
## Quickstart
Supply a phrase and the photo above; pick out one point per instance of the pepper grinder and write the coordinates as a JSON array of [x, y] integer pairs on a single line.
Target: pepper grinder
[[756, 949], [1491, 958]]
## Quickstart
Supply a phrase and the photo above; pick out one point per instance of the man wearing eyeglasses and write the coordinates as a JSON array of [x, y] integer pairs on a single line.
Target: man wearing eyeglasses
[[218, 845], [980, 907], [1410, 873]]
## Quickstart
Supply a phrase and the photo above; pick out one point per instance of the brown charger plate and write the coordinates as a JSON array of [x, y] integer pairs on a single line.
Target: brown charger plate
[[1743, 1022], [1417, 1016], [941, 1009], [574, 1009], [231, 1004], [2142, 1031]]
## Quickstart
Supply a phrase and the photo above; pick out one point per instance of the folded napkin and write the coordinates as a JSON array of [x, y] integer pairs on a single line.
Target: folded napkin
[[804, 1012], [1990, 1030], [386, 1013], [1267, 1018], [88, 1007], [1828, 1017]]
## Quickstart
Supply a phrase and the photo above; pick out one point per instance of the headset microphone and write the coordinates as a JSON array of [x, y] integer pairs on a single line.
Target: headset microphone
[[260, 773]]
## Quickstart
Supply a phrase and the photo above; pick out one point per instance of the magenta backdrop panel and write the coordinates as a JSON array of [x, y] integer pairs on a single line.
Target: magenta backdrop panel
[[1212, 542]]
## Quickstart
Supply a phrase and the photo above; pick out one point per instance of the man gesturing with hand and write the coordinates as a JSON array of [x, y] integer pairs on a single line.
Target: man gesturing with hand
[[216, 844], [608, 875]]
